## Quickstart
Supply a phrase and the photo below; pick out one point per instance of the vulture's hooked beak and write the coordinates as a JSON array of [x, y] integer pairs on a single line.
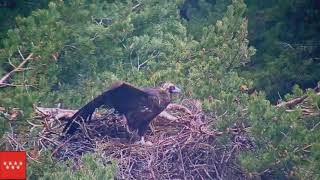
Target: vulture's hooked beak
[[176, 90]]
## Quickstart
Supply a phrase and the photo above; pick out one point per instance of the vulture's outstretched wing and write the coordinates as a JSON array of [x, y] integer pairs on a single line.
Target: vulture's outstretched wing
[[121, 96]]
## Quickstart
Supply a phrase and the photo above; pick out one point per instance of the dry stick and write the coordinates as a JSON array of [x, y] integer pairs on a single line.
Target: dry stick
[[56, 112], [67, 113], [293, 102], [51, 140], [315, 126], [17, 69], [56, 150], [182, 161], [179, 107], [15, 85], [32, 158]]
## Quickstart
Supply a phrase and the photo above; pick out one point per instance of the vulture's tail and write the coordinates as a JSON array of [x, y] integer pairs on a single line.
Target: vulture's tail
[[83, 114]]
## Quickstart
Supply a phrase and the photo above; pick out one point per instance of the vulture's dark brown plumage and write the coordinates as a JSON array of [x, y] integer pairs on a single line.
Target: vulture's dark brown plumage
[[138, 105]]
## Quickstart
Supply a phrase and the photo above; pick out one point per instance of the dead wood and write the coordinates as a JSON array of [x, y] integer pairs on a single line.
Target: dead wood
[[299, 100], [68, 113], [290, 104], [5, 78]]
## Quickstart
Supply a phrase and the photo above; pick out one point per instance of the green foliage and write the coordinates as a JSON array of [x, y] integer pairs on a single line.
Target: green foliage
[[224, 48], [282, 138], [286, 36], [21, 8], [287, 143], [92, 167], [202, 13], [80, 47]]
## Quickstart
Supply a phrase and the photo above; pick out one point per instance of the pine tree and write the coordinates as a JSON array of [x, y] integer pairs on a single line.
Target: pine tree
[[78, 48]]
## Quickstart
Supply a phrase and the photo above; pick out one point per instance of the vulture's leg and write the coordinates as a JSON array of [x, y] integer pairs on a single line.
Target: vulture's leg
[[148, 143], [133, 136], [143, 142], [141, 132], [124, 119], [129, 130], [152, 128]]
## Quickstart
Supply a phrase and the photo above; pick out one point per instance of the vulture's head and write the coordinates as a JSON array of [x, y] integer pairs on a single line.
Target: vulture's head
[[171, 88]]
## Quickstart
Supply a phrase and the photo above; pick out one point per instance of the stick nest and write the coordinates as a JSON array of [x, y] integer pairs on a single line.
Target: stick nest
[[183, 148]]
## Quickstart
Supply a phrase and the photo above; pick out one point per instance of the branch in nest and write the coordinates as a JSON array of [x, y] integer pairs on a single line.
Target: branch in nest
[[179, 107], [16, 69], [166, 115], [55, 112], [68, 113]]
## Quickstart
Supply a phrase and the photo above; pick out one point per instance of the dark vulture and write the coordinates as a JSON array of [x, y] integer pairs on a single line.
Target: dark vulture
[[138, 105]]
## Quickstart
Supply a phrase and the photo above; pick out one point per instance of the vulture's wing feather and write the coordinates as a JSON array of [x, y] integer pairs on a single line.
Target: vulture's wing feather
[[121, 96]]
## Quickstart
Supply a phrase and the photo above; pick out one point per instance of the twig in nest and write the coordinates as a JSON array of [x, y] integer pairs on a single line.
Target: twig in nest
[[61, 145], [179, 107], [166, 115]]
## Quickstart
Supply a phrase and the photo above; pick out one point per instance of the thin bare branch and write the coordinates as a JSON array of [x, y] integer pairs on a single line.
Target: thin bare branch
[[5, 78]]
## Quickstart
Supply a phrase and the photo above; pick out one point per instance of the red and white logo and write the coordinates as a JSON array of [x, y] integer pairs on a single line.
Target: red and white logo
[[12, 165]]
